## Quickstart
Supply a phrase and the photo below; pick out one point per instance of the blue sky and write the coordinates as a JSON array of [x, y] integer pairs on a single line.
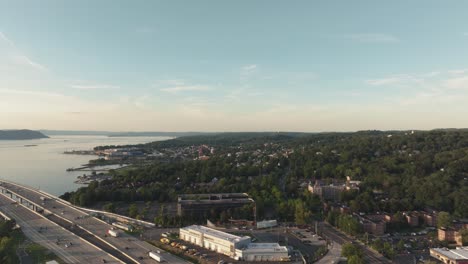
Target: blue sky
[[233, 65]]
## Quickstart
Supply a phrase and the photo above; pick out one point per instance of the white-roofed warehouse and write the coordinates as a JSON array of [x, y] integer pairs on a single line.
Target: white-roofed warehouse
[[236, 247], [452, 256]]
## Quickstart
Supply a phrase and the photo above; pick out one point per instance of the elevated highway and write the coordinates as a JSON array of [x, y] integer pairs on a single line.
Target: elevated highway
[[126, 248], [69, 247]]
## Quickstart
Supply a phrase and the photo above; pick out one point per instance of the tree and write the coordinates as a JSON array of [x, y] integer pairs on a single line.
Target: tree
[[444, 219], [133, 210], [388, 250], [109, 207], [354, 259], [301, 214], [464, 234], [349, 249], [401, 245]]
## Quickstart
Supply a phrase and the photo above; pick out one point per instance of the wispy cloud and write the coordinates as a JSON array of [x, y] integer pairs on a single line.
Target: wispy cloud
[[372, 38], [242, 93], [457, 83], [178, 86], [30, 92], [458, 72], [247, 72], [448, 88], [94, 87], [26, 61], [7, 40], [185, 88], [18, 57], [249, 68], [395, 79]]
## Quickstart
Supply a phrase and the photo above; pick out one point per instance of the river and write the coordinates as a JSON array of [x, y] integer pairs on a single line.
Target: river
[[44, 166]]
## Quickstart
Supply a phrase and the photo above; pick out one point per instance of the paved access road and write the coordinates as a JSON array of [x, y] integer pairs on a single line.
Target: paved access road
[[134, 248], [369, 256], [43, 232], [333, 255]]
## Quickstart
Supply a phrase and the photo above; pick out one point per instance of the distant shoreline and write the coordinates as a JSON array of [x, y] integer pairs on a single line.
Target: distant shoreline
[[22, 134]]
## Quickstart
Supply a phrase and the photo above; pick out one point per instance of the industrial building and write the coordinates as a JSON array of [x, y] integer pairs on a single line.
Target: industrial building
[[450, 256], [213, 239], [263, 252], [199, 204], [236, 247]]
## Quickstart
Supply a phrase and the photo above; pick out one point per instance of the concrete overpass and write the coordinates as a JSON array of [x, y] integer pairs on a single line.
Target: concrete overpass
[[125, 248]]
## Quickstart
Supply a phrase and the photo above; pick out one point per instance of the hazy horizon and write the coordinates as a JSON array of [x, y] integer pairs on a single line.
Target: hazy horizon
[[233, 66]]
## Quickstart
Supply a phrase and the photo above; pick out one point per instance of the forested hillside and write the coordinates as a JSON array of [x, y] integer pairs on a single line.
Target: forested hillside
[[20, 134], [399, 170]]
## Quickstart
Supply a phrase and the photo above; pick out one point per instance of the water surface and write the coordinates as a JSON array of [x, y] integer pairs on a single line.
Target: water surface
[[44, 166]]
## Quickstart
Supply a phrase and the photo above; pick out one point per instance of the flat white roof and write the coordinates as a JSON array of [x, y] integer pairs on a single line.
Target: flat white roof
[[215, 233], [267, 221], [460, 253], [262, 247]]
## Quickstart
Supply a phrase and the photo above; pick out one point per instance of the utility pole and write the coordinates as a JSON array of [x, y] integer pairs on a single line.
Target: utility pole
[[255, 213]]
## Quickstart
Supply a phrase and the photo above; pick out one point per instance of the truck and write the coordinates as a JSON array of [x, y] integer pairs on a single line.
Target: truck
[[113, 233], [123, 226], [155, 256]]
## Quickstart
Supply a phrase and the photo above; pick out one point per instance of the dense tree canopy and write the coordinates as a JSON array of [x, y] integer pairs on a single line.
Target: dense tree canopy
[[399, 170]]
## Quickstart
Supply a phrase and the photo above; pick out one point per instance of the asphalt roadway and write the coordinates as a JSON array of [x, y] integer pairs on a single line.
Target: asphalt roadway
[[132, 247], [53, 237], [332, 234]]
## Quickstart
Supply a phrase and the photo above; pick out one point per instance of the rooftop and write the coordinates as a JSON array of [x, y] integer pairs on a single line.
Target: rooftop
[[252, 247], [460, 253], [215, 233]]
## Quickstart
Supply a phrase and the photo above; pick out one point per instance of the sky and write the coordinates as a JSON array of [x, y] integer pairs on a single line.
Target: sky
[[245, 65]]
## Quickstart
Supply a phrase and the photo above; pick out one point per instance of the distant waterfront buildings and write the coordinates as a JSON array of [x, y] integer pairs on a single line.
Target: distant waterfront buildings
[[120, 153]]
